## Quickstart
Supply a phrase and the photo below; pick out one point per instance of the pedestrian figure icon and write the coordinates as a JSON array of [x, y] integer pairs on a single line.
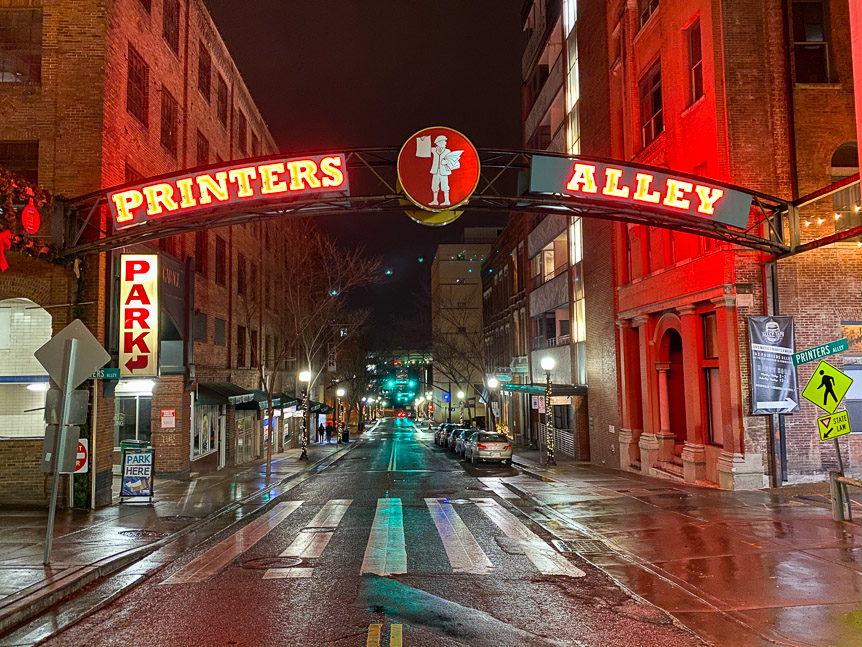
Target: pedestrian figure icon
[[827, 382]]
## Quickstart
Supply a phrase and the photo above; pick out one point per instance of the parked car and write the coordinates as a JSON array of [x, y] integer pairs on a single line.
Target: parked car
[[463, 439], [453, 438], [442, 436], [488, 446]]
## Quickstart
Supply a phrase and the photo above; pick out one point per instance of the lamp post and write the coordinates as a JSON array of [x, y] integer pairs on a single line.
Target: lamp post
[[548, 364], [461, 398], [339, 413], [492, 383], [305, 378]]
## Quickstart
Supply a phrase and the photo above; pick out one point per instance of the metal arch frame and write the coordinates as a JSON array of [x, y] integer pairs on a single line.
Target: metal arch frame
[[373, 178]]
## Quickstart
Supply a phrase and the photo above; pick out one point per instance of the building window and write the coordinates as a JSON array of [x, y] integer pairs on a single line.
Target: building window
[[254, 349], [652, 124], [241, 287], [240, 346], [710, 336], [712, 378], [241, 132], [170, 123], [131, 174], [21, 158], [253, 282], [137, 87], [200, 326], [220, 332], [221, 261], [201, 252], [255, 145], [20, 45], [695, 62], [202, 156], [811, 43], [171, 24], [221, 100], [205, 71], [646, 8], [132, 418]]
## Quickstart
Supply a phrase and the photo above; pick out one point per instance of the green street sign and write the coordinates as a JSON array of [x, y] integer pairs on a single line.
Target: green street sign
[[106, 374], [819, 352]]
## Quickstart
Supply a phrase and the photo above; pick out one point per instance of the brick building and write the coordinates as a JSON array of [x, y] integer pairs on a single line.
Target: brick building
[[95, 94]]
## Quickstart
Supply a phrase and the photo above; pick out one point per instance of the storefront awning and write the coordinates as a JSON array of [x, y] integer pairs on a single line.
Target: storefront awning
[[259, 401], [286, 400], [318, 407], [216, 393]]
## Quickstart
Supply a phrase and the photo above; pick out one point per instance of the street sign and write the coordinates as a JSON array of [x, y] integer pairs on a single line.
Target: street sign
[[829, 427], [773, 377], [827, 387], [819, 352], [106, 374], [89, 354], [169, 418]]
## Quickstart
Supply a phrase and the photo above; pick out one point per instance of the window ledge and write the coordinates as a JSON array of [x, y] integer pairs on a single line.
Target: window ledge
[[818, 86], [693, 106], [198, 456], [644, 27], [652, 148]]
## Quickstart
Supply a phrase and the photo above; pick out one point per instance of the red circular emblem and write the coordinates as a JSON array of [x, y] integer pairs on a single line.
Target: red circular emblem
[[30, 218], [438, 168], [81, 457]]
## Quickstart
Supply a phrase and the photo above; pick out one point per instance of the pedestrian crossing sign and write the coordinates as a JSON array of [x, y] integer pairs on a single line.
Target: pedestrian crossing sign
[[827, 387], [829, 427]]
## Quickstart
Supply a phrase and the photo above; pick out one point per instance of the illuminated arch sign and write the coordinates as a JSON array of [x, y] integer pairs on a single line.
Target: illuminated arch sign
[[191, 192], [612, 183]]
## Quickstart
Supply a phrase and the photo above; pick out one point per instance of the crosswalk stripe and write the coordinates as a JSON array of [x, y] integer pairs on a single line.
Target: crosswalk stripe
[[544, 558], [394, 635], [213, 560], [385, 553], [373, 638], [464, 553]]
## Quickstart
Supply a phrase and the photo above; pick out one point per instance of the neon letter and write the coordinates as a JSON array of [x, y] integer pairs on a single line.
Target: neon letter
[[210, 187], [642, 193], [612, 183], [584, 174], [674, 195], [269, 180], [125, 201], [303, 170], [159, 198], [329, 167], [188, 198], [134, 268], [130, 342], [138, 293], [242, 177], [708, 198], [137, 316]]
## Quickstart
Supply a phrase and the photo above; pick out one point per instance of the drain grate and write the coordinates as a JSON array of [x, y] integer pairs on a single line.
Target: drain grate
[[143, 534], [265, 563], [582, 546]]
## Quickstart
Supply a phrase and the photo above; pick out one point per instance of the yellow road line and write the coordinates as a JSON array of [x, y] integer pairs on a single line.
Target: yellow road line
[[373, 639], [393, 457], [395, 636]]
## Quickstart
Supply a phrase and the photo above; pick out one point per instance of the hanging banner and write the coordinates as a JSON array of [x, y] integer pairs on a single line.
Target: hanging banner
[[137, 472], [139, 315], [773, 376]]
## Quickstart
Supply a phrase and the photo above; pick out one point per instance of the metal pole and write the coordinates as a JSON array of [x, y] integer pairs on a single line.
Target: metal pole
[[549, 421], [841, 486], [71, 350], [96, 384]]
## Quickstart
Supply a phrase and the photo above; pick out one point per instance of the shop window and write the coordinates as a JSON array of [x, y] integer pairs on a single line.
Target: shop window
[[137, 87], [240, 346], [202, 155], [811, 43], [221, 261], [170, 122], [649, 90], [20, 46], [202, 252], [200, 326], [695, 62], [220, 332], [132, 410], [205, 71], [241, 276], [171, 24], [241, 132], [21, 158], [646, 8], [209, 420], [221, 100]]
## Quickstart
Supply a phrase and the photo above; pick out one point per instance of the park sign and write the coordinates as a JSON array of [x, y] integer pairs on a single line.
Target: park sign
[[613, 184], [139, 315], [192, 193]]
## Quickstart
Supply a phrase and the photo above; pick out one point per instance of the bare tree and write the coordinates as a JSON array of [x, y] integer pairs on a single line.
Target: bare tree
[[316, 277]]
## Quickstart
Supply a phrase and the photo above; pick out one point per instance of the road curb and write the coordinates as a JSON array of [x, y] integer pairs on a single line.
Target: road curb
[[20, 607]]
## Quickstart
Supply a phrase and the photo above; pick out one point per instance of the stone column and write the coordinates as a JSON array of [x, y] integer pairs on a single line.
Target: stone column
[[693, 452], [736, 469], [647, 443], [665, 438], [631, 409]]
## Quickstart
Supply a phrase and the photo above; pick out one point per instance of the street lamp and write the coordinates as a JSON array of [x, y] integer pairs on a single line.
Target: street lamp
[[305, 378], [548, 365], [492, 383]]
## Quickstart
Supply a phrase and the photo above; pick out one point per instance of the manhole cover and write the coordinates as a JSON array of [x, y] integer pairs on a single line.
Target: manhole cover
[[265, 563], [178, 518], [582, 546], [674, 495], [143, 534]]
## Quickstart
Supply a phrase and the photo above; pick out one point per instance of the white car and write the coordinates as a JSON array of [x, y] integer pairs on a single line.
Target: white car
[[488, 446]]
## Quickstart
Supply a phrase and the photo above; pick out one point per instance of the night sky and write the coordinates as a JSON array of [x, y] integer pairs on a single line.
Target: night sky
[[349, 73]]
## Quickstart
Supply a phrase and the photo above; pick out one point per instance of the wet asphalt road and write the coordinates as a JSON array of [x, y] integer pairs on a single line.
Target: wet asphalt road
[[221, 593]]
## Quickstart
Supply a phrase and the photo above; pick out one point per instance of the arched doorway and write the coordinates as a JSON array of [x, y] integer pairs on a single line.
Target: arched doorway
[[672, 388]]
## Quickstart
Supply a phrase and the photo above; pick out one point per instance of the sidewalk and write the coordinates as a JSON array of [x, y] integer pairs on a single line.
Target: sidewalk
[[91, 544], [738, 568]]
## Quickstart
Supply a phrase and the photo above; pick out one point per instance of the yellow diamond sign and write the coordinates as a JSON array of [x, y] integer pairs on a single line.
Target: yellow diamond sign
[[827, 387], [838, 424]]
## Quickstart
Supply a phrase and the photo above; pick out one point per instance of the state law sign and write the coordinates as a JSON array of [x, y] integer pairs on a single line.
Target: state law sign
[[139, 315]]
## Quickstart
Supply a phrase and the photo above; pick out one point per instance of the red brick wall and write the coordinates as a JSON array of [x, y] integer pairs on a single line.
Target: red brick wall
[[21, 480]]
